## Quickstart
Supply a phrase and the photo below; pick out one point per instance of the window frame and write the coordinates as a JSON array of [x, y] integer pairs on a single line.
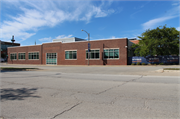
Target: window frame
[[21, 55], [71, 54], [90, 54], [14, 56], [33, 55], [111, 52], [52, 58]]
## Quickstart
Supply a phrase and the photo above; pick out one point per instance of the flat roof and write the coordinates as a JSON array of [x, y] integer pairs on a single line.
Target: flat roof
[[72, 42], [9, 42], [86, 40]]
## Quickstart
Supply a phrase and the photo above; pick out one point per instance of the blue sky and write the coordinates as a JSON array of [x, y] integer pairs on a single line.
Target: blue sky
[[45, 20]]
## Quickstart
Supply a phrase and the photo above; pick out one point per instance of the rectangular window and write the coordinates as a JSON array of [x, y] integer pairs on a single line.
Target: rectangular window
[[51, 58], [33, 55], [111, 53], [94, 54], [21, 56], [70, 54], [13, 56]]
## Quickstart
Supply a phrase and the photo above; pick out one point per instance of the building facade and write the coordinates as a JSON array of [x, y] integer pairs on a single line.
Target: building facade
[[102, 52], [4, 46]]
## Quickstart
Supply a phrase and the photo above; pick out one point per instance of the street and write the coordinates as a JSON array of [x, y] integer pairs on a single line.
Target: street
[[53, 94]]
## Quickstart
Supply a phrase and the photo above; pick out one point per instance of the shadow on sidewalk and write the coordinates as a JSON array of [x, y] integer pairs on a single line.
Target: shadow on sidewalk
[[17, 94]]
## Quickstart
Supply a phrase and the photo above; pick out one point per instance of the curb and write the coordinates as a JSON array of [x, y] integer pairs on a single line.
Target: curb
[[162, 70], [172, 71]]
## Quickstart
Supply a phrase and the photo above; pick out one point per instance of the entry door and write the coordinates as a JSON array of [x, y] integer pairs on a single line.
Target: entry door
[[51, 58]]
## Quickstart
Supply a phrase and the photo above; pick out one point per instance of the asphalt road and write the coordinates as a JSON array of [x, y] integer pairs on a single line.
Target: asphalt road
[[77, 92]]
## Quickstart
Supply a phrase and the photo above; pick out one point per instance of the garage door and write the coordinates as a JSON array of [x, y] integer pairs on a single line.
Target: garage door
[[51, 58]]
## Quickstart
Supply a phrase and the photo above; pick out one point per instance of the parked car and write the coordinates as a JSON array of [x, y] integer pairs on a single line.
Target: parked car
[[2, 60], [5, 59]]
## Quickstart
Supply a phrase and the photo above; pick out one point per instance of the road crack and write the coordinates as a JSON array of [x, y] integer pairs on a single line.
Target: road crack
[[66, 110], [119, 85]]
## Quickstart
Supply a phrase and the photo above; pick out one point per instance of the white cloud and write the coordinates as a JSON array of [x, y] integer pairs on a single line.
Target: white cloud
[[49, 39], [113, 37], [154, 22], [63, 36], [175, 3], [178, 28], [96, 12], [37, 14], [46, 39], [170, 14]]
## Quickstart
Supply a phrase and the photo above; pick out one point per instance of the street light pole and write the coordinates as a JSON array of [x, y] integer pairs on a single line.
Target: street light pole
[[88, 44]]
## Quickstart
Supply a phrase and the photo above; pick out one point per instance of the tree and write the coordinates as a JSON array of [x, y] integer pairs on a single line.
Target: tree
[[160, 41]]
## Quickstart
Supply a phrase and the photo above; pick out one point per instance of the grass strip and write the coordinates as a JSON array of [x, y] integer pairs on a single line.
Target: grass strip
[[17, 69], [171, 68]]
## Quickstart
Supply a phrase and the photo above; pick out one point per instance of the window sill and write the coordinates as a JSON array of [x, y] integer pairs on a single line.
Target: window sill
[[70, 59], [93, 59], [33, 59], [111, 59]]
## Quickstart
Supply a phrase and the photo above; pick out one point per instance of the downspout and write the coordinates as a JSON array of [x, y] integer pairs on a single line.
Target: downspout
[[41, 54], [127, 51]]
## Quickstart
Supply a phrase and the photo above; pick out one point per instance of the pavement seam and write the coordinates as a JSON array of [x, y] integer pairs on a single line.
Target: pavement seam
[[66, 110], [119, 85]]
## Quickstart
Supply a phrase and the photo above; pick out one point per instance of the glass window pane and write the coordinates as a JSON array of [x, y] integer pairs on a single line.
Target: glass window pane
[[86, 55], [92, 55], [74, 55], [111, 54], [67, 56], [116, 50], [35, 57], [70, 55], [106, 54], [116, 54], [111, 50], [97, 55], [96, 51]]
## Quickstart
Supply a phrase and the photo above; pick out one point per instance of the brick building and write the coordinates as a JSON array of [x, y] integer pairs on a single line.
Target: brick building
[[102, 52]]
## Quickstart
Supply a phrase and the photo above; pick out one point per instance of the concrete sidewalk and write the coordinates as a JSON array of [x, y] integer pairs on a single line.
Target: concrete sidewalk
[[146, 70]]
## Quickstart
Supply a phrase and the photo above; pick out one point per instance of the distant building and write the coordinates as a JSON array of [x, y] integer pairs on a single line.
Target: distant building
[[72, 51], [5, 45], [67, 40], [130, 50]]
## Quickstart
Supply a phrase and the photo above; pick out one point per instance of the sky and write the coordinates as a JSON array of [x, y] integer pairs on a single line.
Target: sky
[[41, 21]]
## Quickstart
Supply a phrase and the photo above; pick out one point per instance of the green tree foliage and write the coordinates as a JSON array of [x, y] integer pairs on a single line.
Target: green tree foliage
[[160, 41]]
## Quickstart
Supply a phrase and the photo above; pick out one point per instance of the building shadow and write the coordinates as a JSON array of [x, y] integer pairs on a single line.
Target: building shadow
[[17, 94], [104, 60], [10, 71]]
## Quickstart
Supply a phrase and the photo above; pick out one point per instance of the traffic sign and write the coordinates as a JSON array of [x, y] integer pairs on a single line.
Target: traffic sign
[[89, 47]]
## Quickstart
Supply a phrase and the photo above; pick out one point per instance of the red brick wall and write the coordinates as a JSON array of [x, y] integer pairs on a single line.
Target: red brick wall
[[59, 48], [24, 49], [51, 48]]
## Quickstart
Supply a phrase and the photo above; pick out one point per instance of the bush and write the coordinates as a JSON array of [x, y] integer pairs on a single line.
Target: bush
[[133, 64], [161, 63], [143, 63], [138, 63]]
